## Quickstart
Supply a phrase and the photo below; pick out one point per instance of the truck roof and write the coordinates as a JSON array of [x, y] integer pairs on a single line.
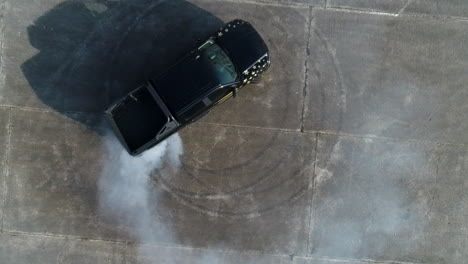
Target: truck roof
[[184, 83], [193, 76]]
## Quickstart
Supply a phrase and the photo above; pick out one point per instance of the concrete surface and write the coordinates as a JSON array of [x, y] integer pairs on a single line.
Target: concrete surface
[[352, 150]]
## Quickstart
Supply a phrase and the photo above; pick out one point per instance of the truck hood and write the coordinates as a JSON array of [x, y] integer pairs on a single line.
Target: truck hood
[[242, 43]]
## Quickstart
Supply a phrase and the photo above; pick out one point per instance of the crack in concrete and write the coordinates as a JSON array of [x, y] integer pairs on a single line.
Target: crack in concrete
[[2, 44], [61, 254], [306, 66], [404, 7]]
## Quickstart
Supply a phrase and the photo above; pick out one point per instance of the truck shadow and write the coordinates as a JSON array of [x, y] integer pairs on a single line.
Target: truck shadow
[[94, 52]]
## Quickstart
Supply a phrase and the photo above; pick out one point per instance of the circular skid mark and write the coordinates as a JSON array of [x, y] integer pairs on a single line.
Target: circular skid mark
[[261, 169], [210, 200], [264, 176], [338, 85], [239, 191], [339, 82], [249, 162], [246, 213], [256, 193]]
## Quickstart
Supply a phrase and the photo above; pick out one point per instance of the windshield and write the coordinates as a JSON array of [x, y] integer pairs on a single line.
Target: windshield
[[221, 66]]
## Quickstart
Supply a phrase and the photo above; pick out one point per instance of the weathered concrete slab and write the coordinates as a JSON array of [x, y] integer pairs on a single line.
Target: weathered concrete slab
[[53, 170], [4, 126], [93, 252], [387, 200], [396, 77], [29, 249], [277, 101]]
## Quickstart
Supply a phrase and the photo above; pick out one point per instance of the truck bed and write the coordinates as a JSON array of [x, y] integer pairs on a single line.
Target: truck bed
[[137, 118]]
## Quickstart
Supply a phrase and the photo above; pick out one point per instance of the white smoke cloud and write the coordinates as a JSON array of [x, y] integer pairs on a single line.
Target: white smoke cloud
[[130, 202], [125, 191]]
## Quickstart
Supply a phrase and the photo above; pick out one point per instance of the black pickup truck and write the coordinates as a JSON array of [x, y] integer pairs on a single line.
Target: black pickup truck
[[210, 74]]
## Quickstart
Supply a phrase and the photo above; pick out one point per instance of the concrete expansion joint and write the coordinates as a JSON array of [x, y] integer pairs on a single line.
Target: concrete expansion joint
[[68, 238], [396, 140], [311, 189], [393, 14], [270, 3], [47, 110], [285, 130], [292, 257], [6, 169]]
